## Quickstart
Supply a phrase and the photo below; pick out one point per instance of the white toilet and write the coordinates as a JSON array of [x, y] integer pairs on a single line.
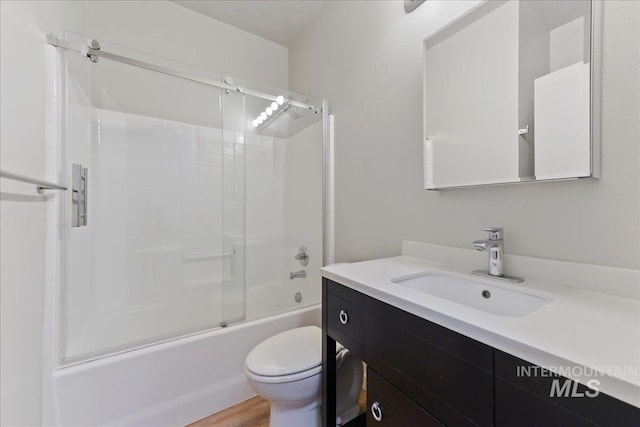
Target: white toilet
[[285, 370]]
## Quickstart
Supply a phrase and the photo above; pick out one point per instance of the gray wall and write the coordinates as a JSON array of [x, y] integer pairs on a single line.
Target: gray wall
[[365, 58]]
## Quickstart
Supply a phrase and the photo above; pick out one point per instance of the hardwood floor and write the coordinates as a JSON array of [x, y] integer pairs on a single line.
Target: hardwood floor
[[253, 412]]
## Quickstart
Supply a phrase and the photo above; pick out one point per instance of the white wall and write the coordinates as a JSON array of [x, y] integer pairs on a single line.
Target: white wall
[[158, 27], [25, 83], [366, 59], [166, 29]]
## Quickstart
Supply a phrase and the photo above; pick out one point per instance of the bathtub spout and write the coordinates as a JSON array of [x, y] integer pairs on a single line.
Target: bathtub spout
[[297, 274]]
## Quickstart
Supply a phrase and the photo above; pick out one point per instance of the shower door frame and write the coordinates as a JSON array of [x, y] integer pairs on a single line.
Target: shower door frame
[[93, 51]]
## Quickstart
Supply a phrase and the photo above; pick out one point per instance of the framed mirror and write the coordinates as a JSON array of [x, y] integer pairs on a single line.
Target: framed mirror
[[511, 95]]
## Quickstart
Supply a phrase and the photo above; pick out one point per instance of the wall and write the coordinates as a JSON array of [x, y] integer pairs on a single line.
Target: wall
[[26, 95], [181, 34], [27, 126], [366, 59]]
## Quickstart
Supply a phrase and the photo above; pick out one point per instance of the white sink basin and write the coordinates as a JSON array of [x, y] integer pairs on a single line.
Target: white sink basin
[[491, 299]]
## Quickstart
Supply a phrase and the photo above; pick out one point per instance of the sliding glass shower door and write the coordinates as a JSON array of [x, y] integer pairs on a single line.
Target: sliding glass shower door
[[154, 234], [196, 202]]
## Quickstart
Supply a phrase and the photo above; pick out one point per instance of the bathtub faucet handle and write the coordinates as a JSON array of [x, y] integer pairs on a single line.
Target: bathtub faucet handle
[[302, 256]]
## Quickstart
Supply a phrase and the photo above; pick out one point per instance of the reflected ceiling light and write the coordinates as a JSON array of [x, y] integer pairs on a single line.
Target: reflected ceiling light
[[274, 106], [269, 111], [263, 116], [255, 123], [280, 99]]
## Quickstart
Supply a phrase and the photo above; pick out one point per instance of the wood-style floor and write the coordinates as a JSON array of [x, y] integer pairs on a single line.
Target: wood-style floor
[[250, 413]]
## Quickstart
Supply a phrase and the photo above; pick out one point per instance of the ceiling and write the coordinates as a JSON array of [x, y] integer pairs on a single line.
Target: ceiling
[[280, 21]]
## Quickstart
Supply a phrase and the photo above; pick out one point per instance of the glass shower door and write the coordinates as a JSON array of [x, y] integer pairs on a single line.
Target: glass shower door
[[162, 251], [284, 200]]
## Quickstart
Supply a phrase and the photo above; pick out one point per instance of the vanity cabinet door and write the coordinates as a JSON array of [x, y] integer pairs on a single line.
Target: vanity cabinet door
[[388, 407], [446, 373], [517, 407], [523, 394]]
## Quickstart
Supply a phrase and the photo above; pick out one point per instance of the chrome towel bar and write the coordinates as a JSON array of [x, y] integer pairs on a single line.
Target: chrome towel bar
[[39, 183]]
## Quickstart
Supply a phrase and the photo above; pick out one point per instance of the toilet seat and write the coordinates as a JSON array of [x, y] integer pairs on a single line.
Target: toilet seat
[[288, 356]]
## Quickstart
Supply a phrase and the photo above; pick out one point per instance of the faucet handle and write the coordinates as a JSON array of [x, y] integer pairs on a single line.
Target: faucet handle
[[495, 233]]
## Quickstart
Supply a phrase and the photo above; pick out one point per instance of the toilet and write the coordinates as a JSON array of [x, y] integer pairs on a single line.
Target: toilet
[[285, 370]]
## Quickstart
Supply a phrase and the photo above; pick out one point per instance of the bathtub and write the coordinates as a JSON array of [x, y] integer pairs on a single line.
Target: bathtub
[[168, 384]]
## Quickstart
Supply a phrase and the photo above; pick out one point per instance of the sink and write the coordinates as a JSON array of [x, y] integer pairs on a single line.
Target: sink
[[487, 298]]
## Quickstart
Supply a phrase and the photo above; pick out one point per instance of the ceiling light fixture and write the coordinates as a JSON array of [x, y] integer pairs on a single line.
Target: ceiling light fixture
[[274, 110]]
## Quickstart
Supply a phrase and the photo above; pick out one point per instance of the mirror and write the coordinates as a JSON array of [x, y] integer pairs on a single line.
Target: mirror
[[509, 95]]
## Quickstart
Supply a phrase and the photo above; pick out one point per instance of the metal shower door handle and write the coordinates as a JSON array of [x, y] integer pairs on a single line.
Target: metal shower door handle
[[79, 189]]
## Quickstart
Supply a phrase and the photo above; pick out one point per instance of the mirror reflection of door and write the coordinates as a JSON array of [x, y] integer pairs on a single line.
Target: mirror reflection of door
[[507, 95]]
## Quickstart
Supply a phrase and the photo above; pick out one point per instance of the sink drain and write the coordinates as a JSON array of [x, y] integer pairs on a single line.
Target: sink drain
[[486, 294]]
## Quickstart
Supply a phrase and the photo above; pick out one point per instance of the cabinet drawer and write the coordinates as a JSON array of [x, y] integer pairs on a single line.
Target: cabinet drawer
[[602, 410], [345, 317], [392, 408], [446, 373]]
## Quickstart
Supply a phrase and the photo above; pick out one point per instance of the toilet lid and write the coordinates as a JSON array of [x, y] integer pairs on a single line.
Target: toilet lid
[[287, 353]]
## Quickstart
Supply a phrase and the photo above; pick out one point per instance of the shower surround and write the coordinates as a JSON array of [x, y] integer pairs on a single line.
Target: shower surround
[[194, 218]]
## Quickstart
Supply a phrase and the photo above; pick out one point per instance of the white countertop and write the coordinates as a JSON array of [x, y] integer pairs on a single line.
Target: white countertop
[[577, 329]]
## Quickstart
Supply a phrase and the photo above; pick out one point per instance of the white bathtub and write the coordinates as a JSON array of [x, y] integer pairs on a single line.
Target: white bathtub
[[168, 384]]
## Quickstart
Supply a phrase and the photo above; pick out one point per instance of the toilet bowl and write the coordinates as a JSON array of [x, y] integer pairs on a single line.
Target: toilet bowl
[[285, 370]]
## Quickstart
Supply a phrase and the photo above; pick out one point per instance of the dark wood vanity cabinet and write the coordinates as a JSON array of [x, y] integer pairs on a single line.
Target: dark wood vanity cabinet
[[395, 408], [525, 399], [422, 374], [441, 370]]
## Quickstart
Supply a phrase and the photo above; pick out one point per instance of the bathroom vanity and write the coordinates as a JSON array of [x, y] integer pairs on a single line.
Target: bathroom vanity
[[432, 361]]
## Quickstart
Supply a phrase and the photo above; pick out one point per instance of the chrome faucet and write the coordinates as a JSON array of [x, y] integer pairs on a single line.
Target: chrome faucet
[[495, 246], [297, 274]]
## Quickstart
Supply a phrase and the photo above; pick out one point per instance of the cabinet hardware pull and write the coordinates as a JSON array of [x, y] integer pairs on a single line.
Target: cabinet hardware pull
[[344, 317], [376, 411]]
